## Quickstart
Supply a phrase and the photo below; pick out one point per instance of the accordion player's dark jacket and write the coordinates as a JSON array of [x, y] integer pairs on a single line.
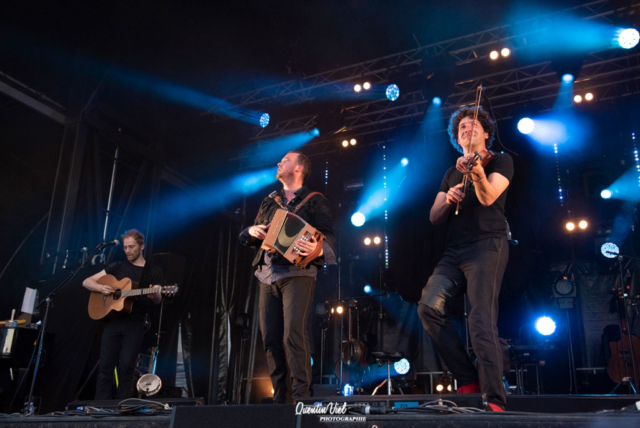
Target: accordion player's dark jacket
[[316, 212]]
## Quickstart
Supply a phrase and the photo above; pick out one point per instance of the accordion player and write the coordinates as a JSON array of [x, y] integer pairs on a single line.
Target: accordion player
[[286, 228]]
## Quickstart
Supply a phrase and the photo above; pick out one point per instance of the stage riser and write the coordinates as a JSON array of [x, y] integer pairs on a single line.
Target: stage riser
[[87, 422]]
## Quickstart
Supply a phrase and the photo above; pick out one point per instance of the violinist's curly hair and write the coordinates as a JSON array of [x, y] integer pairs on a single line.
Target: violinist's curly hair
[[488, 124]]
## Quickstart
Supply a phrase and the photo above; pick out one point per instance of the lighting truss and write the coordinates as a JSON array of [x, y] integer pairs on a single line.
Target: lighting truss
[[464, 50]]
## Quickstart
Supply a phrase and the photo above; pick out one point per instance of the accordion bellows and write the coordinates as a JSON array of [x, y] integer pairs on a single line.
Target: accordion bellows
[[285, 230]]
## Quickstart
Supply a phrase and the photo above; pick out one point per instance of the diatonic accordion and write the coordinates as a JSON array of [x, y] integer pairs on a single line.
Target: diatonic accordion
[[285, 230]]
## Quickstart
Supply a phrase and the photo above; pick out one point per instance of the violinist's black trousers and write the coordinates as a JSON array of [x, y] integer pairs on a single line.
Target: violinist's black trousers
[[476, 268], [284, 310]]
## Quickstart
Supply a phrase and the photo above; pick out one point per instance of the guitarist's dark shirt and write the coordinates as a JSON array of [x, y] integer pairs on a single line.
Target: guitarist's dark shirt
[[142, 304]]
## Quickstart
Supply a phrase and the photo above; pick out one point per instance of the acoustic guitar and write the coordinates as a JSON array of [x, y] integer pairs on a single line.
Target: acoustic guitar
[[106, 307]]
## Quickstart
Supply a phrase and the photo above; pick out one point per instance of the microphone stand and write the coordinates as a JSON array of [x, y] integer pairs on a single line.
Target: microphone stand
[[624, 306], [29, 408]]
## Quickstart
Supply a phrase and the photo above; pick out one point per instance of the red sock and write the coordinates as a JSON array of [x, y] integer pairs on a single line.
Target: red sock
[[495, 407]]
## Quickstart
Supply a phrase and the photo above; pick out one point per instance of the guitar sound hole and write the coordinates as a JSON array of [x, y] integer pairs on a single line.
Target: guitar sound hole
[[117, 294]]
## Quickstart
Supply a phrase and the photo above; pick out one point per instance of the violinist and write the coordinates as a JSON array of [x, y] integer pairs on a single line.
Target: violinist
[[472, 198]]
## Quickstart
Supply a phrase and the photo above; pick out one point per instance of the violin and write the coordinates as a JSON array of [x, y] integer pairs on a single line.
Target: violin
[[484, 155]]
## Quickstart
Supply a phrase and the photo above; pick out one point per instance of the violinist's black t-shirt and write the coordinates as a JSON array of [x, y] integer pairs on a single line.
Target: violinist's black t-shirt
[[142, 304], [475, 222]]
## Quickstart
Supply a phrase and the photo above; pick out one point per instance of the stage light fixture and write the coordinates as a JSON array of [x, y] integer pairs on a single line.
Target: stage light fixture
[[610, 250], [628, 38], [345, 143], [404, 162], [393, 92], [353, 142], [347, 390], [367, 289], [311, 361], [437, 101], [402, 367], [526, 125], [366, 86], [577, 98], [358, 219], [494, 55], [377, 240], [567, 78], [588, 96], [606, 194], [545, 326], [264, 120], [357, 88], [439, 387], [273, 391], [339, 309], [367, 241], [570, 225], [505, 52], [583, 224]]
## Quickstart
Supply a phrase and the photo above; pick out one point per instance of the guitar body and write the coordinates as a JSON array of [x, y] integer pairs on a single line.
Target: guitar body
[[107, 307]]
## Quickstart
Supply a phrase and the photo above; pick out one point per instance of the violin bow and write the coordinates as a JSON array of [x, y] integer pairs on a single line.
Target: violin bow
[[473, 126]]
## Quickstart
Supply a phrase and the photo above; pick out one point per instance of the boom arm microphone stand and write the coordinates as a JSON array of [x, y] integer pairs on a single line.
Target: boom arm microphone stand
[[29, 408]]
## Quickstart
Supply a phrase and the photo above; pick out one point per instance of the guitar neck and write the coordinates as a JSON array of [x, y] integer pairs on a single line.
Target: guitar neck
[[140, 291]]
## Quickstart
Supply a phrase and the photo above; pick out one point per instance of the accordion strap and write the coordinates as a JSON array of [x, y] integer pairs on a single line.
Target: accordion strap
[[305, 200]]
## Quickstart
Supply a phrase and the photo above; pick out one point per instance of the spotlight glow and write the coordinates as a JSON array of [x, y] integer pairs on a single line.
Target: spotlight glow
[[588, 96], [377, 240], [567, 78], [577, 98], [494, 55], [545, 326], [367, 289], [366, 86], [505, 52], [606, 194], [628, 38], [570, 226], [583, 224], [439, 388], [353, 142], [339, 309], [402, 367], [347, 390], [610, 250], [357, 88], [367, 241], [404, 162], [315, 132], [264, 120], [358, 219], [393, 92], [526, 125], [345, 143], [437, 101]]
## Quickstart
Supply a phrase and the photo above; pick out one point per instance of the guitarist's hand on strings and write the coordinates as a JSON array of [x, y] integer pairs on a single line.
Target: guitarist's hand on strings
[[105, 289], [308, 247], [259, 231]]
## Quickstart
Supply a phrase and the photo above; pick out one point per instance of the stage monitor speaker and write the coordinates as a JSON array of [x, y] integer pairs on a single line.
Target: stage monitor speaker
[[262, 415]]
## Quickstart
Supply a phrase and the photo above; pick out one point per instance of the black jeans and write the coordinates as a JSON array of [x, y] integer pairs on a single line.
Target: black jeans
[[284, 309], [121, 340], [481, 266]]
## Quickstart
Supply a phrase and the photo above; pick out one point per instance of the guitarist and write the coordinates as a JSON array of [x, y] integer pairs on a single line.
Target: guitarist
[[122, 337]]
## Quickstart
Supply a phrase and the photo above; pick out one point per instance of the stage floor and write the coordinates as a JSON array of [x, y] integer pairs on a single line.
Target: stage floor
[[397, 412]]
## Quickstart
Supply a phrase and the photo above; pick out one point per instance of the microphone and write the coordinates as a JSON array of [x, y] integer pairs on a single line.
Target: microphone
[[106, 244]]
